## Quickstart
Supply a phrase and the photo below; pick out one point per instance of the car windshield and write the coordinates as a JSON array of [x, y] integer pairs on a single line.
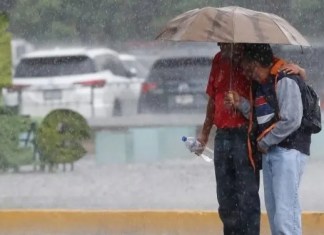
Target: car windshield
[[140, 69], [188, 68], [54, 66]]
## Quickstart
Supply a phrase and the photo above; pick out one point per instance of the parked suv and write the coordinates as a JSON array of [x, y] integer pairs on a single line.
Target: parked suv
[[93, 82], [132, 63], [176, 85]]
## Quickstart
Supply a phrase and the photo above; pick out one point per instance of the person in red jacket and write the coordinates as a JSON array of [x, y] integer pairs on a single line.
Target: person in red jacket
[[236, 171], [236, 177]]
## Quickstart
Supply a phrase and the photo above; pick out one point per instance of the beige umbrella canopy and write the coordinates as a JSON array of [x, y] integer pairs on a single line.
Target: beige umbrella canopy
[[231, 25]]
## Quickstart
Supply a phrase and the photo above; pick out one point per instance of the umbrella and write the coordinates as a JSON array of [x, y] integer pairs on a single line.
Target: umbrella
[[231, 25]]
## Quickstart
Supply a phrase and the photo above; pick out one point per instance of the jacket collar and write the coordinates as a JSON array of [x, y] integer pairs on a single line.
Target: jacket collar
[[277, 65]]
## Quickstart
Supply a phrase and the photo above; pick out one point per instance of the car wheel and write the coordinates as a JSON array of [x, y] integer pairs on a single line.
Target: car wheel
[[117, 109], [139, 108]]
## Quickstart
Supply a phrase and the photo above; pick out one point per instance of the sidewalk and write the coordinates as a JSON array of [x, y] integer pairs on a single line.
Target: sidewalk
[[176, 184]]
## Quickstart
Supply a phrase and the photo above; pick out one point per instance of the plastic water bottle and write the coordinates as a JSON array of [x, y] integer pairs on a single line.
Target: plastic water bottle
[[195, 146]]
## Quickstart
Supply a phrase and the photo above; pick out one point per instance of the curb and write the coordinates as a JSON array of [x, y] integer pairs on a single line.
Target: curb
[[137, 222]]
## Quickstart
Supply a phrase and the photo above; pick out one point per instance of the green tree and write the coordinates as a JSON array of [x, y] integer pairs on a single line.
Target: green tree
[[46, 20], [6, 5], [105, 21], [14, 153], [60, 136], [5, 52]]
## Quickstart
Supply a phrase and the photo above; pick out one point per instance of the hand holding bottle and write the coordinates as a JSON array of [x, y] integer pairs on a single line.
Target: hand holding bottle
[[196, 147]]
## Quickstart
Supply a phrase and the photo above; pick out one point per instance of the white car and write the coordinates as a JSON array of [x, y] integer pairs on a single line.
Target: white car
[[19, 47], [133, 64], [92, 82]]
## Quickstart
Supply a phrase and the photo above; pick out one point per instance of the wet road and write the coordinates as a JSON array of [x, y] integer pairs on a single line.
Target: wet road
[[175, 184]]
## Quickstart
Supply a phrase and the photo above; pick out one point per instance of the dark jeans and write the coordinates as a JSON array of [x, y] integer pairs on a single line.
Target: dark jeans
[[237, 183]]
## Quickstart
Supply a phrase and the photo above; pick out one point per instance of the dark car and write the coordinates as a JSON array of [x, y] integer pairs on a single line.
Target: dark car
[[176, 85], [311, 59]]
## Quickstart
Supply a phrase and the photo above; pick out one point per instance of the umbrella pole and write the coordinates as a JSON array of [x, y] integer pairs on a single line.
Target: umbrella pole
[[231, 66], [231, 71]]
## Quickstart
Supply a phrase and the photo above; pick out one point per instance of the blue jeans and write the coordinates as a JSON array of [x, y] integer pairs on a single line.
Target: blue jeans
[[282, 171]]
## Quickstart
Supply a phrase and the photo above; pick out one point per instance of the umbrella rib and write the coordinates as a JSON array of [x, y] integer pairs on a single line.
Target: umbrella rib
[[192, 20], [274, 20], [233, 23], [291, 34]]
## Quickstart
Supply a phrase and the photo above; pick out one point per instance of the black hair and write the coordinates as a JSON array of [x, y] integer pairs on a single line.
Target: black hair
[[261, 53]]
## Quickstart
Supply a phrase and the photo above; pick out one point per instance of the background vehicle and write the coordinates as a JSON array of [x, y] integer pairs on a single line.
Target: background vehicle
[[19, 47], [311, 59], [134, 65], [176, 85], [92, 82]]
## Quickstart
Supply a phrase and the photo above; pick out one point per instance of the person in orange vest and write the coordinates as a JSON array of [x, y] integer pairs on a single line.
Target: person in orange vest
[[285, 145], [236, 171]]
